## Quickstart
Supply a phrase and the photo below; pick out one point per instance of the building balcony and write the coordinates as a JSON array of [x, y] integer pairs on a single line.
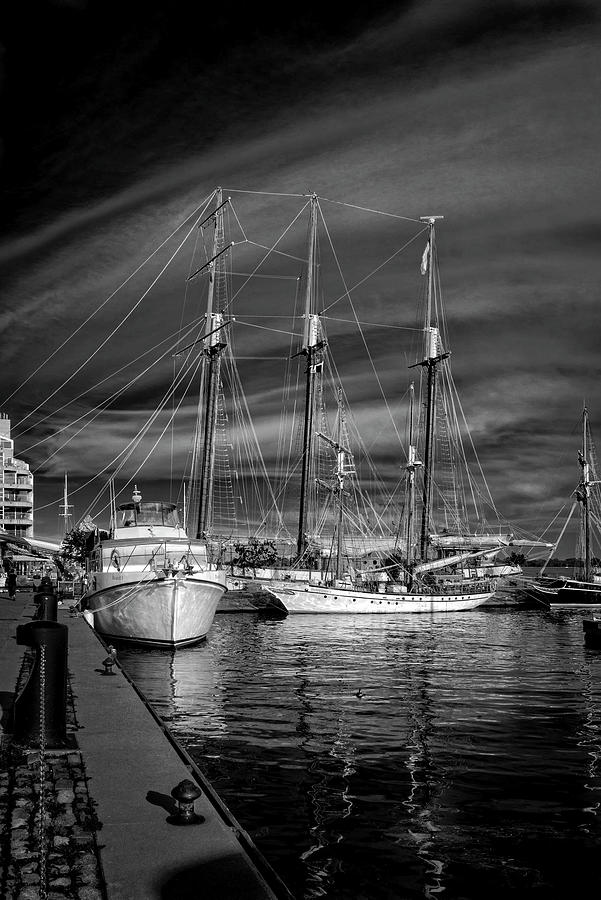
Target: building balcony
[[24, 531], [22, 519]]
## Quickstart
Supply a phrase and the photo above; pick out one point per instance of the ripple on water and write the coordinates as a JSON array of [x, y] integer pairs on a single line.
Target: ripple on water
[[454, 755]]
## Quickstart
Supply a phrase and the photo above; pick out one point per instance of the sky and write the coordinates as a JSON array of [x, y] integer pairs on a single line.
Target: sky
[[119, 120]]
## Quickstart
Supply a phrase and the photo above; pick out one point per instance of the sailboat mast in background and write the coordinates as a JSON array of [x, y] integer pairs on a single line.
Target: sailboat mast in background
[[582, 495], [430, 361], [312, 350], [214, 345], [412, 464], [65, 508]]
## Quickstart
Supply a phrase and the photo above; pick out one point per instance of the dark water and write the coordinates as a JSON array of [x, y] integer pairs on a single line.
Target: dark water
[[370, 757]]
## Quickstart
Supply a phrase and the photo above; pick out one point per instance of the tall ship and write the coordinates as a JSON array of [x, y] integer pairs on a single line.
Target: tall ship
[[317, 483], [581, 589], [429, 569]]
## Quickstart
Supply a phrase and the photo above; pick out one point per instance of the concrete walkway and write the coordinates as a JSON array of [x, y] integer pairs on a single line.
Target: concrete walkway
[[11, 614], [131, 765]]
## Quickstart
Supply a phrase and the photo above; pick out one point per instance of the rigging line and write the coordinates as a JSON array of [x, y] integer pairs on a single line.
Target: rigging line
[[262, 193], [187, 289], [172, 436], [98, 409], [378, 212], [107, 378], [554, 519], [104, 404], [258, 275], [457, 446], [280, 252], [266, 328], [237, 219], [108, 299], [286, 476], [113, 332], [287, 417], [261, 462], [369, 356], [372, 324], [134, 442], [358, 436], [126, 452], [156, 443], [469, 434], [290, 316], [373, 272], [270, 250]]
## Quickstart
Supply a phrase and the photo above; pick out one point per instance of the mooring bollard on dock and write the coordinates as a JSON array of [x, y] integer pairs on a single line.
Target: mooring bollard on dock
[[46, 687], [46, 606]]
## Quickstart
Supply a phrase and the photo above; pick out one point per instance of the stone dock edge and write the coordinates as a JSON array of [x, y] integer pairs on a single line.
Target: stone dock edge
[[109, 817]]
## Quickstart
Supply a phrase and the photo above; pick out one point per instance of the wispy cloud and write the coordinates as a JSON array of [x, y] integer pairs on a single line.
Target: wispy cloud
[[483, 118]]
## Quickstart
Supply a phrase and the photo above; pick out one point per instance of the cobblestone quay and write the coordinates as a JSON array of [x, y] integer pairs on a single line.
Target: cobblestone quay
[[58, 856]]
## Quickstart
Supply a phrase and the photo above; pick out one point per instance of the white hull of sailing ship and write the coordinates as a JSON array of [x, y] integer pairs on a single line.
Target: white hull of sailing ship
[[151, 584], [313, 599]]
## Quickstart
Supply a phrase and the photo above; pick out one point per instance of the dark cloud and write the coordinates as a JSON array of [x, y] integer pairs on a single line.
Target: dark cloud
[[120, 118]]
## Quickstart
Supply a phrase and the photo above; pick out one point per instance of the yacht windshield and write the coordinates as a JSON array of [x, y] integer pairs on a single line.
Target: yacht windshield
[[149, 513]]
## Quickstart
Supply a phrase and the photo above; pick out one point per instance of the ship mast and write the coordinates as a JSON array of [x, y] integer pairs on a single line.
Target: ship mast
[[430, 361], [311, 349], [344, 467], [582, 494], [412, 464], [214, 345]]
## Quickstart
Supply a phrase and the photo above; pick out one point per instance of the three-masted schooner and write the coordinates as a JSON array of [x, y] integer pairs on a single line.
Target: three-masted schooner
[[423, 584]]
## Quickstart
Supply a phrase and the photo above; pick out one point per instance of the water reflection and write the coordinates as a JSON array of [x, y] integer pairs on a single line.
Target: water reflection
[[454, 756]]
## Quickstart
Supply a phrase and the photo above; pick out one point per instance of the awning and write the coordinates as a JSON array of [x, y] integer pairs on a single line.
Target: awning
[[11, 539], [22, 557]]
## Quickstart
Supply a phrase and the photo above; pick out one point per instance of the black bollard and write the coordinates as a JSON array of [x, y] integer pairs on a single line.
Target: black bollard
[[46, 607], [49, 639]]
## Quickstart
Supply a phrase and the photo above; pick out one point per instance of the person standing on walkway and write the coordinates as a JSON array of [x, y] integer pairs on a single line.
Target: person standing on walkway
[[46, 585], [11, 584]]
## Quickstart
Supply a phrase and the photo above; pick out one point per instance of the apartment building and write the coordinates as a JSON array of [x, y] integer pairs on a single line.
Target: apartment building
[[16, 494]]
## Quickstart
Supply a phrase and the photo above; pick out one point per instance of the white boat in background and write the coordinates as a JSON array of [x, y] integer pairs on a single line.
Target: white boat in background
[[342, 599], [148, 582]]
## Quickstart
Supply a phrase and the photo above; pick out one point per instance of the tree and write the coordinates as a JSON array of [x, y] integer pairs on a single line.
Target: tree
[[255, 555], [76, 543], [517, 559]]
